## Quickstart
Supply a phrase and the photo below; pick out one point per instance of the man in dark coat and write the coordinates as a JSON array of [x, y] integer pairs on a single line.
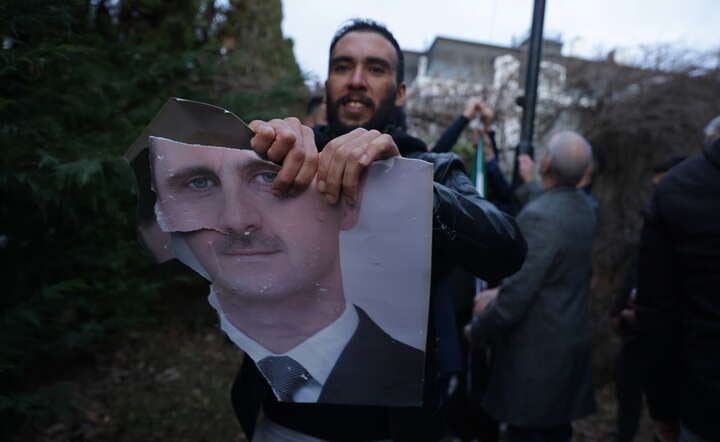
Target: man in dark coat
[[365, 92], [537, 322], [678, 300], [631, 368]]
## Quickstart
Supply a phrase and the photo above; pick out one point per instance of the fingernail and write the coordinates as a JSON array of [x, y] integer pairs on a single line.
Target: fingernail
[[329, 198], [321, 185], [364, 159]]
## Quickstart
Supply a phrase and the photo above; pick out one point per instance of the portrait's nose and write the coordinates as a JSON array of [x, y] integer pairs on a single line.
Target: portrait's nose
[[240, 212]]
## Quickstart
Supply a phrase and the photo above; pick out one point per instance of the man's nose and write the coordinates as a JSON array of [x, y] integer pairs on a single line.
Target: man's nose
[[240, 213], [358, 80]]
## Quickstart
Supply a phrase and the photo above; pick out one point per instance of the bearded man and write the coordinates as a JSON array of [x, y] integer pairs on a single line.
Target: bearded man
[[365, 94]]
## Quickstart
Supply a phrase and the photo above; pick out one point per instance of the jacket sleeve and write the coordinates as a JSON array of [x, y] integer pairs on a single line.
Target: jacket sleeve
[[622, 297], [518, 292], [502, 193], [656, 304], [448, 139], [657, 312], [468, 229]]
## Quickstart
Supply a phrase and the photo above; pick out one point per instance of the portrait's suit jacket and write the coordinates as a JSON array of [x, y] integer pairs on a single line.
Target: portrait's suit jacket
[[538, 327], [373, 369]]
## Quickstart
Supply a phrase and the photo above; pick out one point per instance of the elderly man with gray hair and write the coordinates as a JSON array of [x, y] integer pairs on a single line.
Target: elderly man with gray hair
[[537, 322]]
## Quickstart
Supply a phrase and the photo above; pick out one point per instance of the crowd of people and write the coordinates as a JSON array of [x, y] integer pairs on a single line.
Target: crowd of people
[[513, 358]]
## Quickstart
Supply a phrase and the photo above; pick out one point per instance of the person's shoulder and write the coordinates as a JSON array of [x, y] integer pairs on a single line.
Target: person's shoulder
[[442, 162], [690, 173], [369, 330], [541, 200], [554, 203], [407, 144]]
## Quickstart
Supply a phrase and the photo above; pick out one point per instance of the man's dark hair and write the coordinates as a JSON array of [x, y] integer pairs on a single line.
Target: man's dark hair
[[368, 25]]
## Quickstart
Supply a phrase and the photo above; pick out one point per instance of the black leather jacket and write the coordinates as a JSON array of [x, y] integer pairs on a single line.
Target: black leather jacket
[[468, 232]]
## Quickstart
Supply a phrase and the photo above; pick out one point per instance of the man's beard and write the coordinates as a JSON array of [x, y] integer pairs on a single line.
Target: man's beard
[[386, 117]]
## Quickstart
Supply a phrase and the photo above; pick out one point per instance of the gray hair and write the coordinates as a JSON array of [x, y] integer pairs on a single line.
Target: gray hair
[[712, 130], [570, 155]]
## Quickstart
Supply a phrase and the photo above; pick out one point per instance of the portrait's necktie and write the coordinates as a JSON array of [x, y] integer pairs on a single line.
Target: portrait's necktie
[[285, 374]]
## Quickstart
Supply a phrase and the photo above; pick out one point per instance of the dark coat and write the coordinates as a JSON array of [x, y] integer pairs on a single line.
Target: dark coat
[[539, 326], [468, 232], [678, 302]]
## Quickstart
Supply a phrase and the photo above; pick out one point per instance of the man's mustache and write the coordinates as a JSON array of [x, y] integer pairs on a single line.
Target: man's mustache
[[238, 242]]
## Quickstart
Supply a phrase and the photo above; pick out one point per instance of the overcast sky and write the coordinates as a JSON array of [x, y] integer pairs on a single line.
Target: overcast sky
[[587, 27]]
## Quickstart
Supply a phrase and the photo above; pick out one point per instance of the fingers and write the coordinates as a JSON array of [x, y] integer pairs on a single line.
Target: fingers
[[351, 177], [310, 164], [291, 144], [344, 159], [263, 138], [286, 136], [326, 160], [326, 156], [472, 108], [381, 148], [343, 167], [486, 113], [526, 166], [287, 175], [275, 138], [339, 166]]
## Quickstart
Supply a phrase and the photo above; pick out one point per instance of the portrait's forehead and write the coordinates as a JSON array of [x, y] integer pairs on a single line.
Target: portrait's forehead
[[173, 153]]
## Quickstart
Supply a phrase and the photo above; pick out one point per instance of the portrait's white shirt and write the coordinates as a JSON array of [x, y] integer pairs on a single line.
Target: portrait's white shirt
[[317, 354]]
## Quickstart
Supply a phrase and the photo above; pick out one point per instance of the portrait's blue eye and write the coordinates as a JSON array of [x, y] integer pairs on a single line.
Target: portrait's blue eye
[[200, 183], [266, 177]]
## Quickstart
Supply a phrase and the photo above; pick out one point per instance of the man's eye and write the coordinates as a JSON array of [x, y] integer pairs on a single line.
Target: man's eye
[[377, 69], [265, 177], [341, 68], [200, 183]]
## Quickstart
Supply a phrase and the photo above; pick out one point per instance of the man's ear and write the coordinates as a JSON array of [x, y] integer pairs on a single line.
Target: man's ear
[[545, 166], [351, 213], [400, 95]]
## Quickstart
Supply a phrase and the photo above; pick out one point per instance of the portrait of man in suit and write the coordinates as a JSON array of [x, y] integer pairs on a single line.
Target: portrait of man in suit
[[274, 263]]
